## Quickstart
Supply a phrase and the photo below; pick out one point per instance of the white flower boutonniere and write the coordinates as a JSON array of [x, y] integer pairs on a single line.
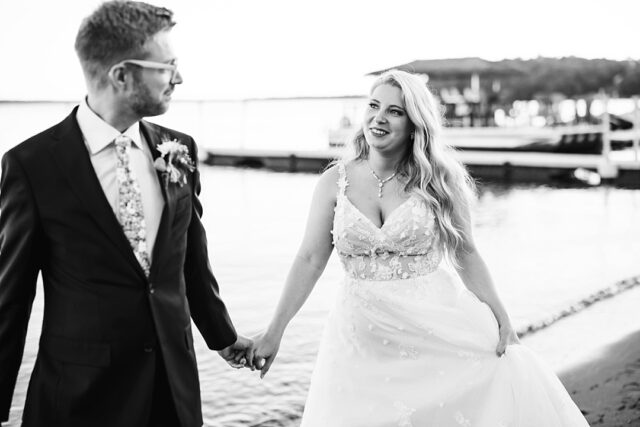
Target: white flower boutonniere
[[174, 162]]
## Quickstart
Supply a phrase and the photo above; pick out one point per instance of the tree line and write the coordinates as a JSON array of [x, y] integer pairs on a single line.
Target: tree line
[[571, 76]]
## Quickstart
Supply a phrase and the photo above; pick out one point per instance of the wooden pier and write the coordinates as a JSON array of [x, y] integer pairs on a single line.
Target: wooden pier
[[491, 163], [501, 166]]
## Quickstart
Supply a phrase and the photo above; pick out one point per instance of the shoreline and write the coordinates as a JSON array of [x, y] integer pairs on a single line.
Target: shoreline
[[596, 354], [599, 296], [607, 389]]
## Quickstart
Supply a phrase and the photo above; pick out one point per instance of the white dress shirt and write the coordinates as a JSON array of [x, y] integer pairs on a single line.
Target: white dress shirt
[[99, 139]]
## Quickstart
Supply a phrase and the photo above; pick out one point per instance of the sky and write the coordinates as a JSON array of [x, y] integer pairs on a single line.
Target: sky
[[237, 49]]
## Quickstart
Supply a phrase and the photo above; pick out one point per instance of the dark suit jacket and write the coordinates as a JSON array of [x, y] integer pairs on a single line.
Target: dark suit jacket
[[104, 321]]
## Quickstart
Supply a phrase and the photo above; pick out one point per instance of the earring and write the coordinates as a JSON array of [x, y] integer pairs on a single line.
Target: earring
[[413, 134]]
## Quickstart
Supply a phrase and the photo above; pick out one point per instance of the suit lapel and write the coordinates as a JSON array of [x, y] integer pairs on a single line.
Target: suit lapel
[[153, 137], [72, 157]]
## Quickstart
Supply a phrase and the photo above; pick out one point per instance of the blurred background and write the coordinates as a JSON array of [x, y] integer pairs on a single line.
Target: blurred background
[[540, 98]]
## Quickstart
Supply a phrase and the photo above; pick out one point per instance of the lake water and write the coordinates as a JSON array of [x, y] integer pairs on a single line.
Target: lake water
[[287, 124], [546, 248]]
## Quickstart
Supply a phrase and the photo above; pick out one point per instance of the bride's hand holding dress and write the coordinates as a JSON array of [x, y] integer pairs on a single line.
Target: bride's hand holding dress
[[508, 336], [476, 277]]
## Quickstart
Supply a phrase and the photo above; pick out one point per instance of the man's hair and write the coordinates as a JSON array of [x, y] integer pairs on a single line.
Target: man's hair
[[115, 31]]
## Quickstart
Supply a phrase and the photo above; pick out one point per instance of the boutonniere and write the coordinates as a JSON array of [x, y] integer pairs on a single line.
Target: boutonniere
[[174, 162]]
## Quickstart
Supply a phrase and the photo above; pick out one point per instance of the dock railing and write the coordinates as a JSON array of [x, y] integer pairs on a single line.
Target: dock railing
[[609, 165]]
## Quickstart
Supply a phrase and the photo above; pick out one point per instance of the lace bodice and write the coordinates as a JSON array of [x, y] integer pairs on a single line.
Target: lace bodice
[[405, 246]]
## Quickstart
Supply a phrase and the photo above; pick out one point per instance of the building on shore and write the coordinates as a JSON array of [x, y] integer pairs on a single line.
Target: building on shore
[[477, 92]]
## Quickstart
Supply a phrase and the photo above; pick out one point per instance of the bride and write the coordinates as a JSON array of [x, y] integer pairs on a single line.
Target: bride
[[409, 342]]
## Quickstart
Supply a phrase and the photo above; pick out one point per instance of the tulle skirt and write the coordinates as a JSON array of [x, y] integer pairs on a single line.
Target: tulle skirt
[[421, 352]]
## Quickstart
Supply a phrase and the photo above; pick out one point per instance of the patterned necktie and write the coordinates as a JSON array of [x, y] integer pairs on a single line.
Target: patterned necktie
[[130, 212]]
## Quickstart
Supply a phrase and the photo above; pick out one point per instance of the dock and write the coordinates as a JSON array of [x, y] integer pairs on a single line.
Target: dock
[[590, 155], [621, 168]]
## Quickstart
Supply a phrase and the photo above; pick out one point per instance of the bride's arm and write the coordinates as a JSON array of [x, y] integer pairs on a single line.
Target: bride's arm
[[308, 265], [474, 273]]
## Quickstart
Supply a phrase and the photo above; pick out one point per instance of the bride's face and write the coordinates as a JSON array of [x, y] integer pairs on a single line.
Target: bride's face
[[386, 124]]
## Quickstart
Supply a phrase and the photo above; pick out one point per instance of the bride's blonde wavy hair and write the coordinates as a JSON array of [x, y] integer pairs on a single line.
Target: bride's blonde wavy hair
[[429, 168]]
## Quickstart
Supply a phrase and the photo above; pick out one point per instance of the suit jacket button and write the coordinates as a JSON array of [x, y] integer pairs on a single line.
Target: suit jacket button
[[151, 288], [148, 349]]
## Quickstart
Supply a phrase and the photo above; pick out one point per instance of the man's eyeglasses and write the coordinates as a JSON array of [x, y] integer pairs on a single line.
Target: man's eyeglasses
[[172, 66]]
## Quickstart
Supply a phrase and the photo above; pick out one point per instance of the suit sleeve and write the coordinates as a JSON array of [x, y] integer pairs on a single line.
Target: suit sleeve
[[207, 308], [20, 246]]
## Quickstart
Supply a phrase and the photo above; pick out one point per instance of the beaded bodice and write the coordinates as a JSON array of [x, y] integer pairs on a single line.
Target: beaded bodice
[[405, 246]]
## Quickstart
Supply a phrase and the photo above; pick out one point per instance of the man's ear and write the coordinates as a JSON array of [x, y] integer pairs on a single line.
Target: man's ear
[[118, 76]]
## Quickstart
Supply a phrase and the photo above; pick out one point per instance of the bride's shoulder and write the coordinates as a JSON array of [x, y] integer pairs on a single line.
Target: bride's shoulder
[[335, 172], [330, 175], [342, 167], [328, 181]]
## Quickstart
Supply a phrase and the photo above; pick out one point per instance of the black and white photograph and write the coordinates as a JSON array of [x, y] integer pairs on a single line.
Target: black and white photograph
[[339, 213]]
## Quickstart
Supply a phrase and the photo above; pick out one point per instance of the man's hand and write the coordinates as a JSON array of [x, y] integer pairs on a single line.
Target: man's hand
[[237, 353]]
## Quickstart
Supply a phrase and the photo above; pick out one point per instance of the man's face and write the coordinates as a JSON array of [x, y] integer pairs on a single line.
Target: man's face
[[152, 88]]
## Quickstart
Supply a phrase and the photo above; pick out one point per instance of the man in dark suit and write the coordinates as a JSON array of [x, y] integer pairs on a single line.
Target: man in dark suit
[[105, 206]]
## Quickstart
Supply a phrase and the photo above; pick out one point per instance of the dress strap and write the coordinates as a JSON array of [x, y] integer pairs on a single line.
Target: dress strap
[[342, 180]]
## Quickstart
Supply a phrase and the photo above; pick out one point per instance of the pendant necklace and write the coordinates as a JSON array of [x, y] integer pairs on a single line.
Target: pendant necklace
[[381, 182]]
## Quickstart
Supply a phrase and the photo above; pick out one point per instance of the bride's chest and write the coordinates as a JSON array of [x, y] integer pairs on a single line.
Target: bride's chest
[[409, 228]]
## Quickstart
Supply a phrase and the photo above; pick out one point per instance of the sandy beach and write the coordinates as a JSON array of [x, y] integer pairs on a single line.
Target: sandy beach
[[607, 390], [597, 355]]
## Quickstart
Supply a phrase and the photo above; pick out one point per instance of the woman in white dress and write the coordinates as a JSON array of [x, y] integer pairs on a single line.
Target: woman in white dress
[[409, 342]]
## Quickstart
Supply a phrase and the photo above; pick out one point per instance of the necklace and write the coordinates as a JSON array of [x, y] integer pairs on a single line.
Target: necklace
[[381, 182]]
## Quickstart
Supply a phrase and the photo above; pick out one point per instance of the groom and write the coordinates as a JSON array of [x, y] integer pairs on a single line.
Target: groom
[[119, 244]]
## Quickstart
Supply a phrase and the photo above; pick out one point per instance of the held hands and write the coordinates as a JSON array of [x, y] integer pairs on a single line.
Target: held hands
[[507, 336], [265, 351], [236, 353], [254, 353]]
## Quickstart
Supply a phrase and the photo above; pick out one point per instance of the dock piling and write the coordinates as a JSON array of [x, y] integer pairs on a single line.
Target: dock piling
[[636, 129], [606, 169]]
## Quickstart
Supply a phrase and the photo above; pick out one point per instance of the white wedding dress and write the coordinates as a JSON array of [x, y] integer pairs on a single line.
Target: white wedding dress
[[407, 345]]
